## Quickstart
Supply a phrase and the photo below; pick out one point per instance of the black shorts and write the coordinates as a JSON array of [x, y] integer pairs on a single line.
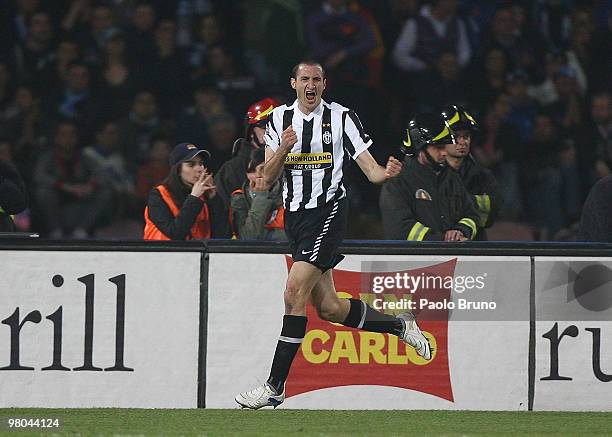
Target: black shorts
[[315, 234]]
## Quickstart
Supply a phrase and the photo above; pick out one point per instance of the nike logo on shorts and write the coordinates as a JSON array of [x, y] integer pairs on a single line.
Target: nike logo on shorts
[[304, 252]]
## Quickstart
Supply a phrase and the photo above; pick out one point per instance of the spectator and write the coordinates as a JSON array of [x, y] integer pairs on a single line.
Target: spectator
[[36, 53], [68, 51], [596, 221], [111, 170], [437, 27], [487, 79], [13, 195], [194, 123], [6, 86], [185, 205], [257, 211], [230, 79], [595, 141], [76, 101], [137, 129], [70, 198], [445, 84], [550, 177], [208, 32], [139, 34], [154, 170], [119, 78], [341, 39], [26, 125], [169, 71], [222, 135]]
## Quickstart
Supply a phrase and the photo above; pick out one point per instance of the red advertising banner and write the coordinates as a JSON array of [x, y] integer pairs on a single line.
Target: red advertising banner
[[333, 355]]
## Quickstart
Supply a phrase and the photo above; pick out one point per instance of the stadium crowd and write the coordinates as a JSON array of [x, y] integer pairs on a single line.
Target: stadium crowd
[[94, 95]]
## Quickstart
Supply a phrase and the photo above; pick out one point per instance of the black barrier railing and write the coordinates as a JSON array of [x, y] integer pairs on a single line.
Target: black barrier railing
[[355, 247]]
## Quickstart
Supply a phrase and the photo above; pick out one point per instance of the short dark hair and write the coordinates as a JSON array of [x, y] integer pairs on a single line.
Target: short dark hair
[[306, 62]]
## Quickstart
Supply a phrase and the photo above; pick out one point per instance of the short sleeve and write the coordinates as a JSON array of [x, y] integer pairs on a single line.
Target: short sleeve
[[272, 137], [355, 140]]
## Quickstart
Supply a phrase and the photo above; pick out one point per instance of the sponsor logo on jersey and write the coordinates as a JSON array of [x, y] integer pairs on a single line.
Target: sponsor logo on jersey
[[308, 161]]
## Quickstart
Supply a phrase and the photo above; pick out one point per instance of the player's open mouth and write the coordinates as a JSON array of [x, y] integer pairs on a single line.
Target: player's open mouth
[[311, 96]]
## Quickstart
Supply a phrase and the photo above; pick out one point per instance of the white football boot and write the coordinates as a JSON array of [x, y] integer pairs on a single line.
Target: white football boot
[[413, 335], [259, 397]]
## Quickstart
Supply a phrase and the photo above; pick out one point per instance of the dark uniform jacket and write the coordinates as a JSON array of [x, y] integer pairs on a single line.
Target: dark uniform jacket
[[482, 185], [232, 173], [421, 204], [13, 196]]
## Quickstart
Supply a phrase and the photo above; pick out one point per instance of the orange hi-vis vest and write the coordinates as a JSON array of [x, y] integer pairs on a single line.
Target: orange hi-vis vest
[[199, 231], [276, 219]]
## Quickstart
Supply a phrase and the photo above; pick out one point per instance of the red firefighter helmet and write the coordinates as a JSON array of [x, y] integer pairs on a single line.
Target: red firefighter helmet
[[258, 112]]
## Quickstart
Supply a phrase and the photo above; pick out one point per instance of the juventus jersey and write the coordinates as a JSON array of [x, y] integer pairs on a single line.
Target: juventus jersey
[[326, 137]]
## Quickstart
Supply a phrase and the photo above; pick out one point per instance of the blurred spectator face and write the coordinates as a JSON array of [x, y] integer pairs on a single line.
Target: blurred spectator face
[[66, 138], [601, 109], [504, 24], [208, 101], [337, 5], [115, 46], [77, 79], [445, 7], [6, 151], [145, 106], [502, 106], [517, 89], [210, 33], [108, 136], [496, 63], [565, 83], [67, 51], [24, 98], [143, 18], [222, 133], [165, 33], [219, 60], [5, 74], [40, 30], [543, 129], [554, 61], [101, 19], [160, 151], [404, 7], [447, 66], [27, 7]]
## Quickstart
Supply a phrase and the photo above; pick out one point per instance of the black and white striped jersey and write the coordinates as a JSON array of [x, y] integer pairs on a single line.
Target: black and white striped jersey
[[326, 137]]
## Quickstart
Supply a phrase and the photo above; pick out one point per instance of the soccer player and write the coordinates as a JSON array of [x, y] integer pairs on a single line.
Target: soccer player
[[308, 142]]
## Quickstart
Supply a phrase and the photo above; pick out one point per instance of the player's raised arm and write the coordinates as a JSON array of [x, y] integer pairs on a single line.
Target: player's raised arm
[[375, 172], [275, 161]]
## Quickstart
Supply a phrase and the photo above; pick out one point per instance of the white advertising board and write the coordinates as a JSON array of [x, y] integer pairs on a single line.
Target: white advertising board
[[573, 334], [480, 359], [99, 329]]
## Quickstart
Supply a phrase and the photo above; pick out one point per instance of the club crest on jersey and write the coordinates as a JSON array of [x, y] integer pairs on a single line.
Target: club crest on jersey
[[308, 161], [421, 194], [327, 137]]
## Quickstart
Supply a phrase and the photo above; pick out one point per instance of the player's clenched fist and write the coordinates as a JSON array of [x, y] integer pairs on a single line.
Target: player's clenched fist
[[288, 138], [393, 168]]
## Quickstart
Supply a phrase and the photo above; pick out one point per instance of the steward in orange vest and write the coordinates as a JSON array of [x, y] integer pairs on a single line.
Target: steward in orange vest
[[184, 206]]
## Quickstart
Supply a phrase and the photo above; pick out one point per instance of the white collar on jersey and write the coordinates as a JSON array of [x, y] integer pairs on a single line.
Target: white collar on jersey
[[317, 111]]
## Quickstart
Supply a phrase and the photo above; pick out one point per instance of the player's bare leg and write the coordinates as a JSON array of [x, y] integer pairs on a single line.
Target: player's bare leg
[[302, 278]]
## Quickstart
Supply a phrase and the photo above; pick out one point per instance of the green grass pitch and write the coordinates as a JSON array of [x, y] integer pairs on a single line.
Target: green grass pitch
[[133, 422]]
